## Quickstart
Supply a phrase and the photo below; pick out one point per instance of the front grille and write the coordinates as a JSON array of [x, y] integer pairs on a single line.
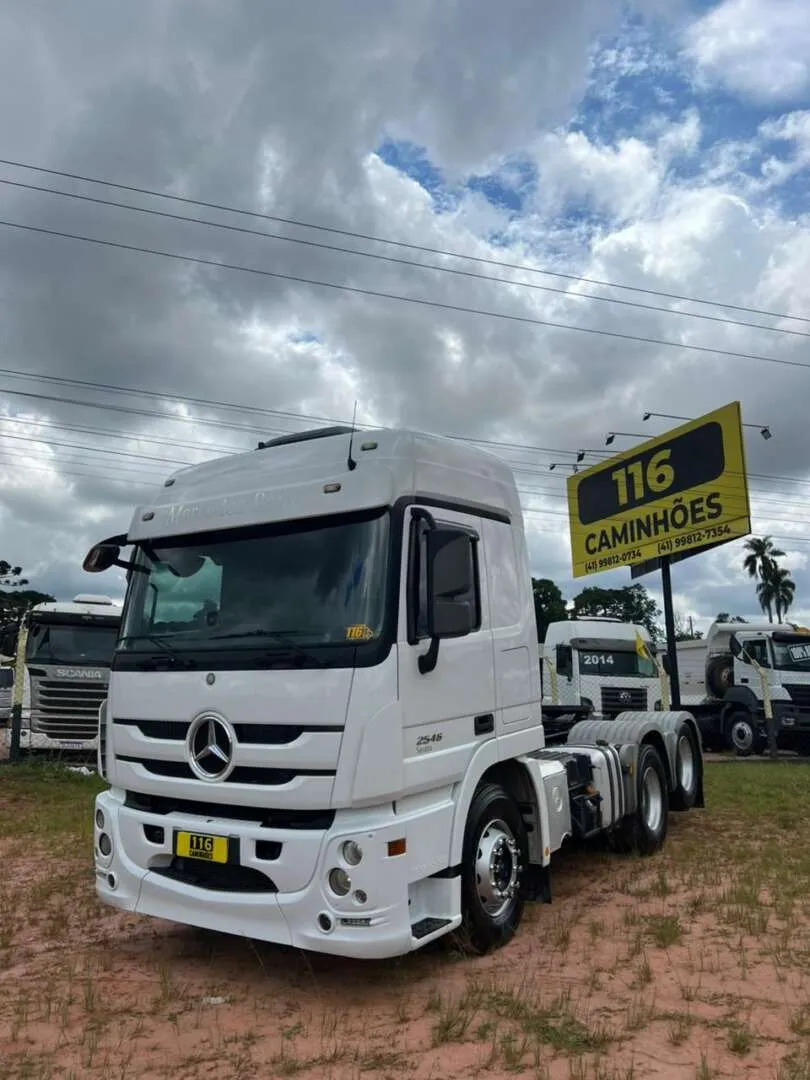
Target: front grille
[[242, 774], [269, 819], [799, 694], [216, 877], [617, 699], [252, 734], [67, 710]]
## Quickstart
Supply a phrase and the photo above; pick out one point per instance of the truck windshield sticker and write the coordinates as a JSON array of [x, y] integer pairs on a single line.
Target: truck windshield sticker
[[360, 632], [798, 653]]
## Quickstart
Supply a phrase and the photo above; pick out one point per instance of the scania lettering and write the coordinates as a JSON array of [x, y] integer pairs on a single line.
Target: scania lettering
[[67, 660], [324, 725]]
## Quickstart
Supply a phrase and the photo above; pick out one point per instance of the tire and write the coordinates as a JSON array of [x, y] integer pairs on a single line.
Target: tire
[[493, 864], [688, 767], [719, 675], [646, 828], [741, 734]]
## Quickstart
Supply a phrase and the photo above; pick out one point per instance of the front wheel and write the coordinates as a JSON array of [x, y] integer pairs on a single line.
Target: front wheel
[[741, 734], [494, 860]]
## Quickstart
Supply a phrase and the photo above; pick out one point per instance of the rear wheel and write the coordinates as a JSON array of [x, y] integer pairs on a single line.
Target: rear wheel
[[645, 829], [687, 769], [494, 860]]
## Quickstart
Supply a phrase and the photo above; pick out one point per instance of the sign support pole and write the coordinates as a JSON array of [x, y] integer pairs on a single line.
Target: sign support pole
[[669, 625]]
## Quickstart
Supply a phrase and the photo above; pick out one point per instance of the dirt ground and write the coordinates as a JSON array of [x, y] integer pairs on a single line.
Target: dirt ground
[[693, 964]]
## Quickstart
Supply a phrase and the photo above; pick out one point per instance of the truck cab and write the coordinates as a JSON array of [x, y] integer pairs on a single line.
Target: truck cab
[[746, 670], [596, 662], [68, 652], [324, 724]]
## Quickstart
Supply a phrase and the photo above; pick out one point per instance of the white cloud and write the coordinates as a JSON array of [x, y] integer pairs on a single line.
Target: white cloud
[[294, 133], [756, 48]]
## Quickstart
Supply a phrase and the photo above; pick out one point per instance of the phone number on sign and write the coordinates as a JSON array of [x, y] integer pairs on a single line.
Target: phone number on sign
[[607, 561], [699, 536]]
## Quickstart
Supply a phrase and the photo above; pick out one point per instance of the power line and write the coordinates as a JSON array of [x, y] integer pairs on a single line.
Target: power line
[[413, 263], [370, 238], [107, 434], [217, 404], [67, 472], [103, 450], [381, 295]]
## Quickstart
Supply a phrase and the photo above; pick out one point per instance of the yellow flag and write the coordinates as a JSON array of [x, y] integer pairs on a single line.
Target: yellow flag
[[641, 648]]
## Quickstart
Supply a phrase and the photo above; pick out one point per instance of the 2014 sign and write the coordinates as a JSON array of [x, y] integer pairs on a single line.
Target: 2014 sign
[[679, 492]]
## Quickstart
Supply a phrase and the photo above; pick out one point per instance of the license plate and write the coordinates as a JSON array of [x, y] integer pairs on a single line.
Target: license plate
[[189, 845]]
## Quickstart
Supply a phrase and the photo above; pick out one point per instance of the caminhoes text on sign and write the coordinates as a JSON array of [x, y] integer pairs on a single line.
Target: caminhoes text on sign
[[678, 492]]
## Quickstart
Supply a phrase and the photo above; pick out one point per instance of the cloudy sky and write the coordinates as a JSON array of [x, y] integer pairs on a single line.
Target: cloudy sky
[[656, 146]]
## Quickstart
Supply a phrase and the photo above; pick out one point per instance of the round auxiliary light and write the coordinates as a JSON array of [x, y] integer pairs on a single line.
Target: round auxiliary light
[[339, 881], [352, 852]]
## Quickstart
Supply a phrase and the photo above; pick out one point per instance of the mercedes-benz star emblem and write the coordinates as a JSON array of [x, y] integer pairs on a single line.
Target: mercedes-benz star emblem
[[624, 697], [210, 746]]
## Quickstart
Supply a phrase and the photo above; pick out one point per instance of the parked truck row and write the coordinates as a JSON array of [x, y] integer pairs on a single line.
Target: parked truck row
[[324, 724]]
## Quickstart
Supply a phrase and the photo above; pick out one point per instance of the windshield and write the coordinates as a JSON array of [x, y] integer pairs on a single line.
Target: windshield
[[64, 644], [313, 583], [621, 662], [792, 657]]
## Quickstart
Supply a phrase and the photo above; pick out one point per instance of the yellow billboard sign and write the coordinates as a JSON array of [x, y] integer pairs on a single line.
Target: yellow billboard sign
[[674, 494]]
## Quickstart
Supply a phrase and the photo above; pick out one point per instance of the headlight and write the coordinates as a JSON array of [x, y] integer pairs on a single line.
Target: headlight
[[339, 881]]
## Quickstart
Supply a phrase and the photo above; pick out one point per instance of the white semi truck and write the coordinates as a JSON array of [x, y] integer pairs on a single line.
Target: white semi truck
[[739, 672], [596, 663], [68, 653], [324, 723]]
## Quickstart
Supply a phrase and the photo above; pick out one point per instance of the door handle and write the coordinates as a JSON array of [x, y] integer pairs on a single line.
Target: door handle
[[484, 724]]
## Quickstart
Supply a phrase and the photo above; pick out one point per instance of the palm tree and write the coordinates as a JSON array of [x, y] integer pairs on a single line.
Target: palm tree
[[766, 596], [760, 561], [784, 591]]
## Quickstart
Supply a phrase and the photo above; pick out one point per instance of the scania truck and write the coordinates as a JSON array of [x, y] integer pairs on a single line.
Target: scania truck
[[68, 653], [324, 722], [741, 672]]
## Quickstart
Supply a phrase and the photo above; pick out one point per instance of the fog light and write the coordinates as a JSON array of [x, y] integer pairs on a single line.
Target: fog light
[[359, 896], [339, 881], [105, 845], [352, 852], [100, 818]]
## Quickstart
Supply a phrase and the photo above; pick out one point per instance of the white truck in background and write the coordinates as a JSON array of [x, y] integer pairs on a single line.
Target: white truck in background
[[68, 654], [728, 679], [324, 724], [596, 663]]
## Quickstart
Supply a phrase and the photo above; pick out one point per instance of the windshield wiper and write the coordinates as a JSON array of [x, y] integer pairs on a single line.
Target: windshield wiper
[[176, 658], [281, 637]]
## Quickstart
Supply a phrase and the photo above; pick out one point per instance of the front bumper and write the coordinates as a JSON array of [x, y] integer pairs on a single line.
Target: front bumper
[[303, 912], [36, 740]]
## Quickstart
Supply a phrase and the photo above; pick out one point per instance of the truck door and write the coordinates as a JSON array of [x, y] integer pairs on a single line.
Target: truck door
[[448, 711]]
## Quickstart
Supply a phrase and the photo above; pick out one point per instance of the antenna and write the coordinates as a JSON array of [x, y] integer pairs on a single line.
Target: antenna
[[352, 464]]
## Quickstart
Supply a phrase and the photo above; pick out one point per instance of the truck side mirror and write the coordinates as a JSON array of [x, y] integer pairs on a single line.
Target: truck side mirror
[[8, 643], [451, 607], [735, 648], [665, 664], [565, 661], [101, 557]]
